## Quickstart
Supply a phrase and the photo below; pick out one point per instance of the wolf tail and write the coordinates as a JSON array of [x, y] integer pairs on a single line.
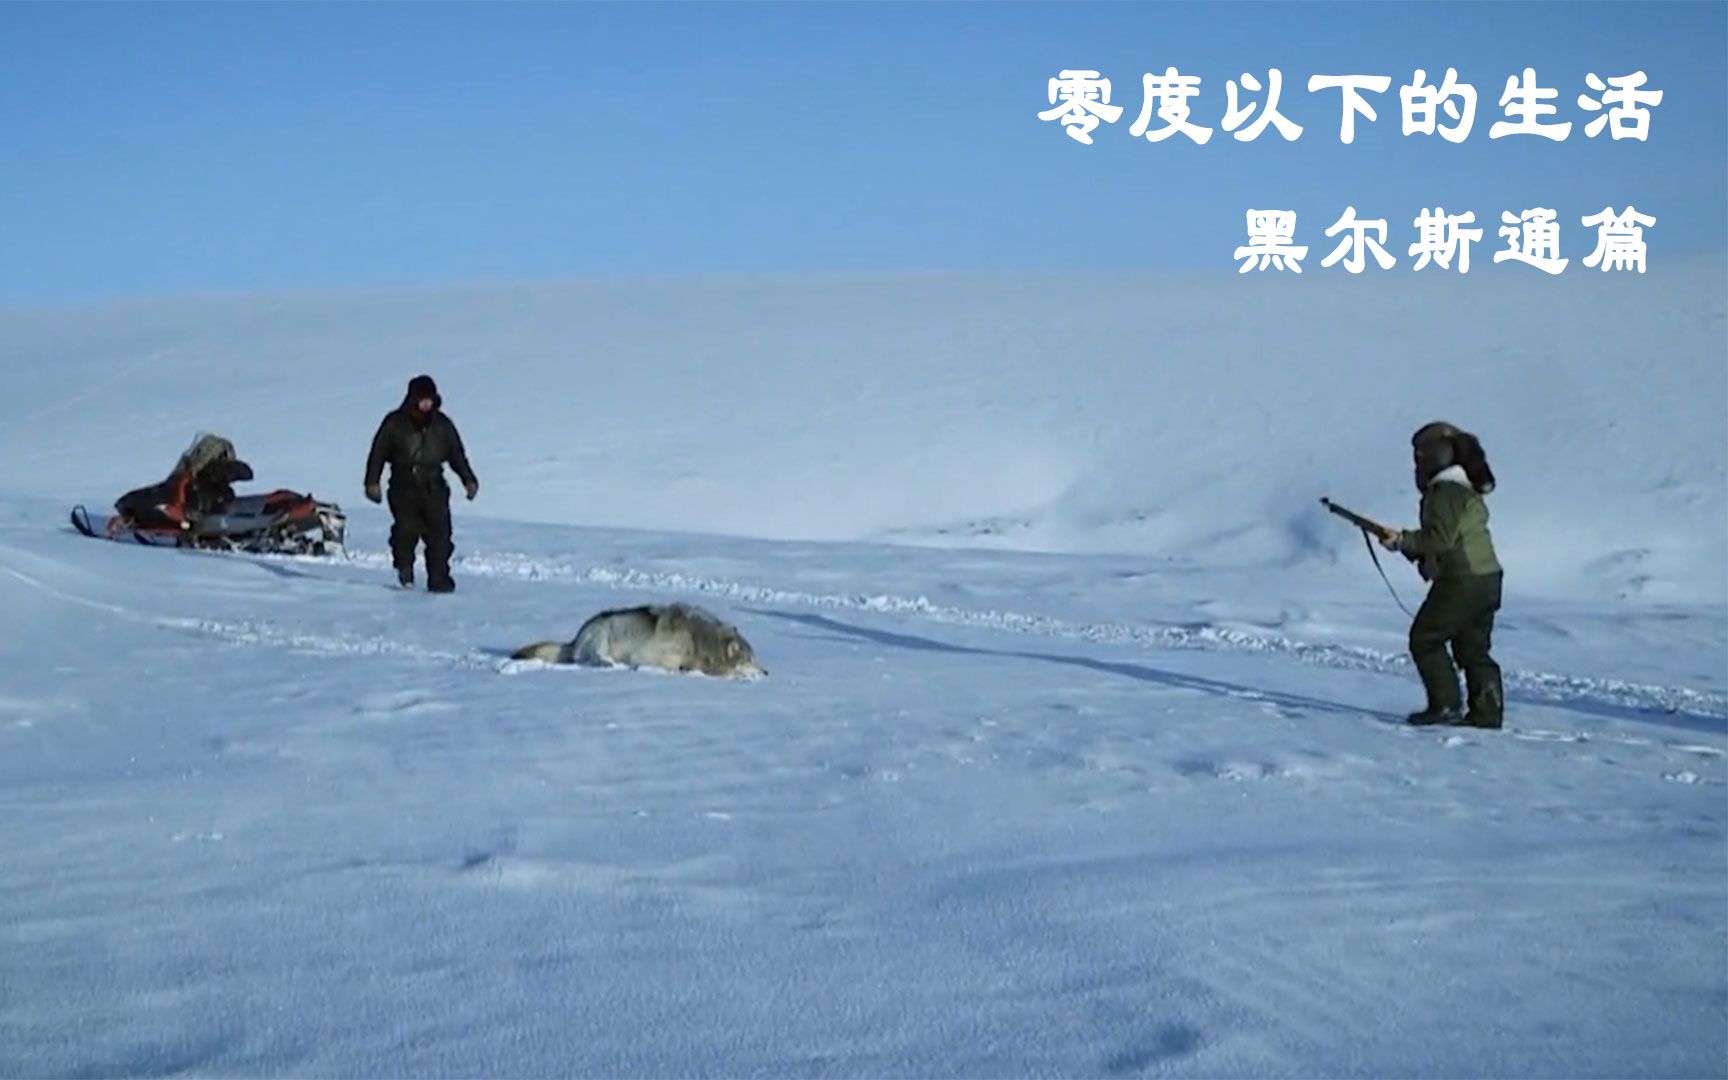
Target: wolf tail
[[551, 652]]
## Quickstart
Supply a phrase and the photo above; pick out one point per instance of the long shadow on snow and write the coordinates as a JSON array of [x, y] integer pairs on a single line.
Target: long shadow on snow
[[1586, 706], [1141, 672]]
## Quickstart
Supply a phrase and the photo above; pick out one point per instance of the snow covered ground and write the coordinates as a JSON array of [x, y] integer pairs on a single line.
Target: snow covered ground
[[1079, 755]]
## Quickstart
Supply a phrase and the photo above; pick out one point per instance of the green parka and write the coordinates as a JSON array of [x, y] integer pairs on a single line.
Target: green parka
[[1453, 541]]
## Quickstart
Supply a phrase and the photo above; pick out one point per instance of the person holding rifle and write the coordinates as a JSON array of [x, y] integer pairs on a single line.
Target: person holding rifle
[[1455, 553]]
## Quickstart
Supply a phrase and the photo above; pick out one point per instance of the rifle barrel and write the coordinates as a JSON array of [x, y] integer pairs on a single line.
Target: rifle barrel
[[1366, 524]]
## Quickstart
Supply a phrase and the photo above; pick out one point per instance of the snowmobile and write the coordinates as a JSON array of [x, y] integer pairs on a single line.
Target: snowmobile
[[196, 507]]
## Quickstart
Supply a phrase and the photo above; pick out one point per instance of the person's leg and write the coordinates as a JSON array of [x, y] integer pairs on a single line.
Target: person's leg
[[407, 525], [1471, 646], [440, 546], [1436, 623]]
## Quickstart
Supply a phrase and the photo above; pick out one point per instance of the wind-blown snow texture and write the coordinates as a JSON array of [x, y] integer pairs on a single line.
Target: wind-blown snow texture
[[1103, 777]]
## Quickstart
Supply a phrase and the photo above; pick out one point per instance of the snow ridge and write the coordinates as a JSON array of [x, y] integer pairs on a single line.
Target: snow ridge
[[1533, 685]]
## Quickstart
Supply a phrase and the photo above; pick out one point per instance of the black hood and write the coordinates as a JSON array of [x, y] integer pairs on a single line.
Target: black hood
[[422, 386]]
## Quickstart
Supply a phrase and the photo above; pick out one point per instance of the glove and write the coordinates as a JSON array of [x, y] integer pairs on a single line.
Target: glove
[[1390, 539], [472, 487], [373, 494]]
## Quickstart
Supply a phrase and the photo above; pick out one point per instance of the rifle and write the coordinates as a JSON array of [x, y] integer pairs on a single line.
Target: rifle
[[1370, 529], [1367, 525]]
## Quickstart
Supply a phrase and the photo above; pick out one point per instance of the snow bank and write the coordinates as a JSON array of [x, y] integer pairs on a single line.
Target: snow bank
[[1140, 803], [1195, 418]]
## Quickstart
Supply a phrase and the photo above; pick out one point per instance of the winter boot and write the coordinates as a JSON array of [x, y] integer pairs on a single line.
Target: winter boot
[[1451, 716], [441, 585], [1487, 703], [405, 577]]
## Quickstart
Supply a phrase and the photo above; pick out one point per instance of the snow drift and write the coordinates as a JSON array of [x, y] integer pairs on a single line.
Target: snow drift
[[1195, 419], [1127, 795]]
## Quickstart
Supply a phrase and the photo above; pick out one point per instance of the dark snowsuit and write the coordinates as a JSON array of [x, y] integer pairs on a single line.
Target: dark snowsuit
[[417, 446], [1458, 557]]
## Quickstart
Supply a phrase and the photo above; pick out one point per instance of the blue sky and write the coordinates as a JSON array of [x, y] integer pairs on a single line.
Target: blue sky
[[163, 148]]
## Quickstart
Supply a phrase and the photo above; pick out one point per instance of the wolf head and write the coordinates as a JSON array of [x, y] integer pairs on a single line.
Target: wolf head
[[716, 646], [739, 659]]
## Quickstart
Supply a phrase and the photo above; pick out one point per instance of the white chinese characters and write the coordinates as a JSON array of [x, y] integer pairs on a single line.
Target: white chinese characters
[[1423, 104], [1625, 104], [1440, 236], [1270, 236], [1359, 241], [1352, 87], [1234, 118], [1532, 237], [1619, 239], [1079, 100], [1526, 103], [1169, 93], [1173, 104]]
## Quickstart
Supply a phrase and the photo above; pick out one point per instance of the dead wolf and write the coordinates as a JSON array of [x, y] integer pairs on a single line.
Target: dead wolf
[[671, 637]]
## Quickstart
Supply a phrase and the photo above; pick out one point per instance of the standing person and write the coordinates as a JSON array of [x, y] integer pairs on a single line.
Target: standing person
[[1457, 556], [417, 440]]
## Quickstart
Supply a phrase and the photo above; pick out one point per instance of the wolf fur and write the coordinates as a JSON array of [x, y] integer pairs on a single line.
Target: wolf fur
[[671, 637]]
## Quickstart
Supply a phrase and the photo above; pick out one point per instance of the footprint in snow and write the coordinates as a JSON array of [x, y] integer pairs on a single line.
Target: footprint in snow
[[403, 701], [1227, 770], [1701, 751]]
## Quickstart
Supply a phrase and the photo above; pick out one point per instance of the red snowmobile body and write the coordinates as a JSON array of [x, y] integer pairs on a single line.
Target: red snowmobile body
[[196, 507]]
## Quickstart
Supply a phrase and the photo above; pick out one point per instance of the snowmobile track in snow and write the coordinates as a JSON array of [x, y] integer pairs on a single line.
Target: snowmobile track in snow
[[1565, 691], [1706, 709], [259, 632]]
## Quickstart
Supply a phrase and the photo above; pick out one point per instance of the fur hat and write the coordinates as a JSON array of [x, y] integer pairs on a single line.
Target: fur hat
[[1438, 445]]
